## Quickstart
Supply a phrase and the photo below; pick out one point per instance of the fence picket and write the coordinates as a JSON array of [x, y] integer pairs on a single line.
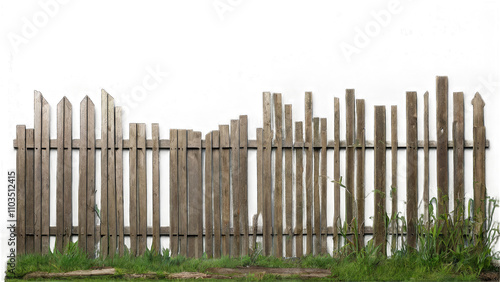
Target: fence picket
[[278, 176], [299, 188], [379, 228], [360, 170], [411, 168]]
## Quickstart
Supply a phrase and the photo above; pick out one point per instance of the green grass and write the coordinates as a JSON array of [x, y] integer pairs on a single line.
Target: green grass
[[461, 255]]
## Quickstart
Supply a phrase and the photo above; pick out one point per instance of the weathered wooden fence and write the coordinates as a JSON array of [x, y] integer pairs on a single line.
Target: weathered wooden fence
[[200, 207]]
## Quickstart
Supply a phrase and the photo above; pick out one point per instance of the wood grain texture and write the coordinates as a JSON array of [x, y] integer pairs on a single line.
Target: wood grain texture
[[30, 192], [119, 181], [349, 156], [394, 178], [323, 180], [425, 197], [288, 182], [45, 176], [68, 193], [316, 191], [458, 156], [442, 147], [299, 188], [82, 177], [92, 235], [479, 177], [209, 242], [225, 188], [379, 185], [411, 169], [336, 175], [142, 188], [155, 130], [174, 195], [309, 172], [112, 246], [21, 189], [236, 188], [266, 176], [278, 176], [195, 194], [478, 159], [133, 213], [104, 174], [182, 172], [360, 170], [243, 177], [260, 176], [216, 193], [60, 177]]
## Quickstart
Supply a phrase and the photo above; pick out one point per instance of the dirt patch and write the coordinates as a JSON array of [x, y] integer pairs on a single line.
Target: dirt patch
[[77, 273], [490, 276], [261, 271], [189, 275]]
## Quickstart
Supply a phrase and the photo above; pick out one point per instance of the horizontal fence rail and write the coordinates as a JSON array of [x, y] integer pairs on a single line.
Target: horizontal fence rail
[[208, 206]]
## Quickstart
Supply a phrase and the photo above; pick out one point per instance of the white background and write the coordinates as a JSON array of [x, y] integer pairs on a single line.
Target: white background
[[215, 58]]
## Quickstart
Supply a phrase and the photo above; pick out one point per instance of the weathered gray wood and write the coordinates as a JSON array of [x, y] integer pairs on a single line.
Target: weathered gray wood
[[458, 155], [21, 190], [243, 177], [278, 176], [174, 195], [379, 185], [119, 180], [360, 170], [235, 164], [134, 226], [216, 193], [91, 189], [68, 211], [288, 182], [425, 197], [316, 195], [266, 176], [411, 169], [63, 209], [195, 200], [309, 172], [142, 187], [349, 156], [104, 174], [155, 129], [394, 183], [30, 197], [82, 177], [225, 188], [259, 135], [208, 197], [479, 177], [182, 172], [111, 178], [299, 188], [45, 176], [323, 179], [478, 159], [442, 147], [336, 175], [60, 177]]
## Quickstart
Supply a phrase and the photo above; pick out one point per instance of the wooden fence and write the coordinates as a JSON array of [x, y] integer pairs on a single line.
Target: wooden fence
[[200, 207]]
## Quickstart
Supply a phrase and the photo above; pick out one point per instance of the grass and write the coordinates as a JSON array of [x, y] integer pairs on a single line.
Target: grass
[[461, 255]]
